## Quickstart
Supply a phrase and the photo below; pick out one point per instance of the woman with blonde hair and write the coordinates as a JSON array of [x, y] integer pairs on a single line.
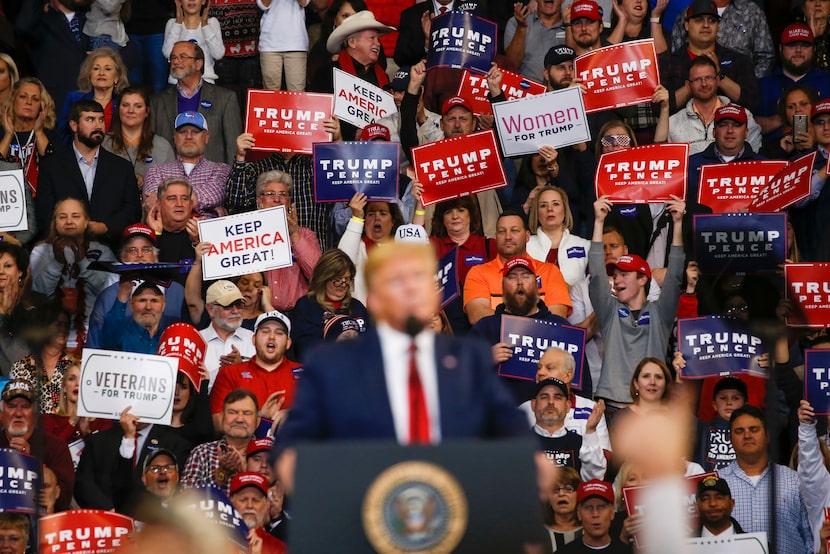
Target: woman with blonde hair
[[28, 114], [102, 77], [551, 241], [65, 423], [9, 75]]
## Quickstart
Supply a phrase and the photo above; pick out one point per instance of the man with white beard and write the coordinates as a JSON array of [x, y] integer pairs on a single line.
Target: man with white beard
[[249, 496], [18, 418], [227, 341]]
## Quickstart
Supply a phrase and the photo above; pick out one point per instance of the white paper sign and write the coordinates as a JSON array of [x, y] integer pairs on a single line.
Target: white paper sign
[[13, 201], [359, 102], [112, 380], [748, 543], [555, 119], [244, 243]]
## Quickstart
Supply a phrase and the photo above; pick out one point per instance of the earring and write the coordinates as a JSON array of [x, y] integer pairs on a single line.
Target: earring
[[636, 393]]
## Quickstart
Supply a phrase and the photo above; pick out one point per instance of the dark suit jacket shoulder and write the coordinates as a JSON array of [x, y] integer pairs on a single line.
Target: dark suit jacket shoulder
[[221, 111], [342, 393], [104, 480], [114, 201]]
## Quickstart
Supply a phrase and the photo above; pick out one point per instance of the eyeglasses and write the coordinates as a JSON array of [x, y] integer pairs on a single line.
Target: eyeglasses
[[609, 141], [567, 489], [273, 194], [737, 309], [169, 468], [134, 250], [341, 281], [180, 57], [705, 79]]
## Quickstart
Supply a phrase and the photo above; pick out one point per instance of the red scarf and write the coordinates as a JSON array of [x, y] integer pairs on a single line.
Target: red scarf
[[347, 64]]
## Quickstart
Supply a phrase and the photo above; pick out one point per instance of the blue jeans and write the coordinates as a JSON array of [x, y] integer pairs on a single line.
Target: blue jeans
[[151, 67], [103, 41]]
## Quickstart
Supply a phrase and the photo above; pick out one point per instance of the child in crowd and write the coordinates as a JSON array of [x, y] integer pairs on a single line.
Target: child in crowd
[[714, 448]]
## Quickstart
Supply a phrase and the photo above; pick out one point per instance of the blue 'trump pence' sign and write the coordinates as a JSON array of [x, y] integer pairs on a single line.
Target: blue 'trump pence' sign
[[817, 380], [344, 168], [740, 242], [461, 40]]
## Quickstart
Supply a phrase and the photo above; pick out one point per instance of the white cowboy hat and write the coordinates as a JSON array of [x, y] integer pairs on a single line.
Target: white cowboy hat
[[361, 21]]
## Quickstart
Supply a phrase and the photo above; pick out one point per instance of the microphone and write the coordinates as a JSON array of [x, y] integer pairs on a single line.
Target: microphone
[[413, 326]]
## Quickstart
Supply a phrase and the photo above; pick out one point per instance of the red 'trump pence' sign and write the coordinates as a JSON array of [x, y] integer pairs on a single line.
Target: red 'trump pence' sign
[[790, 185], [619, 75], [732, 186], [808, 290], [474, 88], [285, 121], [458, 166], [644, 174]]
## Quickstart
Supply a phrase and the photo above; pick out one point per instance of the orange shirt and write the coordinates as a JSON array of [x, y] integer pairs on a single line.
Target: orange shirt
[[263, 383], [484, 281]]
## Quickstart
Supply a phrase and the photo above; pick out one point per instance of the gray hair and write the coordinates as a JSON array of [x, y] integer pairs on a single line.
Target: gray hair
[[174, 181], [275, 176], [570, 362]]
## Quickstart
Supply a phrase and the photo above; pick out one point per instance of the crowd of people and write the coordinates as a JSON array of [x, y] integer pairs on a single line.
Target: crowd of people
[[126, 119]]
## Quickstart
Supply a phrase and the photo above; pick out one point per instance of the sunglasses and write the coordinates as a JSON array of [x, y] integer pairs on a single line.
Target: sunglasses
[[609, 141]]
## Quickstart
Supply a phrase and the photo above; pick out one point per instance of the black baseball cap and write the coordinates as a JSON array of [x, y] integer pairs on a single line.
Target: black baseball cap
[[552, 382], [713, 483]]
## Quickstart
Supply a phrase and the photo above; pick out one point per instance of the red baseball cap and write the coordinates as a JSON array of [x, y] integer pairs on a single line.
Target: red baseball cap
[[249, 479], [518, 261], [797, 32], [820, 108], [375, 131], [595, 488], [258, 445], [138, 230], [454, 101], [731, 111], [629, 262], [586, 8]]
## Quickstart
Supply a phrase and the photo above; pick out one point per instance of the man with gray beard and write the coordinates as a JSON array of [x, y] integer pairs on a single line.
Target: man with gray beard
[[520, 293], [227, 341], [190, 93], [18, 418]]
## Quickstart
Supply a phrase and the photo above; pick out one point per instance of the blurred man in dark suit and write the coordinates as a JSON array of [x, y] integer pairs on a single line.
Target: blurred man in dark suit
[[402, 382]]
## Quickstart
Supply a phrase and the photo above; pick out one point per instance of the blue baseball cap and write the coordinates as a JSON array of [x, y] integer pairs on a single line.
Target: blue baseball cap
[[191, 118]]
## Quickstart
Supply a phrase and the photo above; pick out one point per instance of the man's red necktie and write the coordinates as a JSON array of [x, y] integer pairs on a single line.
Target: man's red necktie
[[442, 10], [418, 417]]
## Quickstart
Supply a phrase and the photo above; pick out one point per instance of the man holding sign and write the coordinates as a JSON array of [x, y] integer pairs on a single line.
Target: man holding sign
[[356, 42], [457, 119], [730, 132], [520, 295], [633, 327]]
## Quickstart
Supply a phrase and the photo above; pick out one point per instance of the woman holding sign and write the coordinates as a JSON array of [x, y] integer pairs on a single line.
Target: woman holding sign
[[371, 224]]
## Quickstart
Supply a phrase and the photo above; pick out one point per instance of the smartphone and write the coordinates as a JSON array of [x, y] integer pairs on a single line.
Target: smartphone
[[799, 124]]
